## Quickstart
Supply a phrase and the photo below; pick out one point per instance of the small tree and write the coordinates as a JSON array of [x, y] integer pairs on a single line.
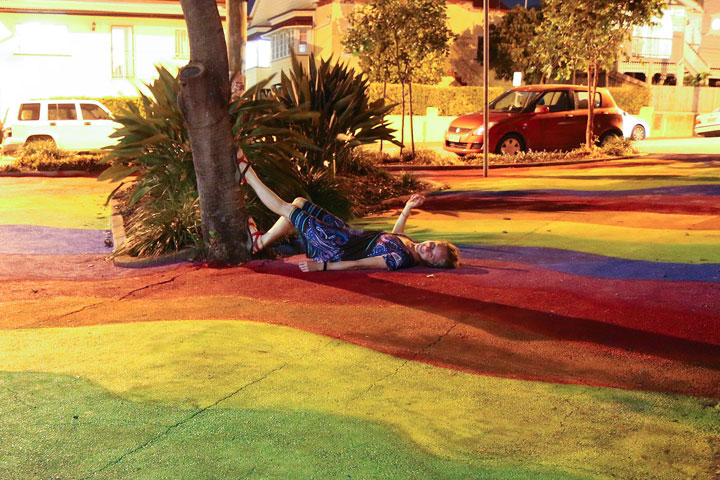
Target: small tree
[[400, 40], [589, 35], [511, 45]]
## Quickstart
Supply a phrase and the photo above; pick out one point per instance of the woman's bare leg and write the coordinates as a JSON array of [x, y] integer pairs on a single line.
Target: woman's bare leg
[[267, 196]]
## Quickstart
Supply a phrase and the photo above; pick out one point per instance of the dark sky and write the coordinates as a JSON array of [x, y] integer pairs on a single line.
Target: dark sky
[[512, 3]]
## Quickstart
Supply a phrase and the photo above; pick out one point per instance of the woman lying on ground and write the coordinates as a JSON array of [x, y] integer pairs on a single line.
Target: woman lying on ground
[[333, 245]]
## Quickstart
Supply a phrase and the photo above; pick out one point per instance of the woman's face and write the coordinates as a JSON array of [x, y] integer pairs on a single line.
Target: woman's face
[[431, 252]]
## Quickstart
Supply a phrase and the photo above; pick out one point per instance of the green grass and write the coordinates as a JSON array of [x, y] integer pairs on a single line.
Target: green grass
[[61, 427]]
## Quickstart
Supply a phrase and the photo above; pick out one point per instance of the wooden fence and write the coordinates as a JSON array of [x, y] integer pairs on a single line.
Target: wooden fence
[[685, 99]]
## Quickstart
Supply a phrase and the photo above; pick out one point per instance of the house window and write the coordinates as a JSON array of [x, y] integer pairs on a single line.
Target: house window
[[303, 41], [182, 46], [257, 53], [280, 45], [123, 63], [654, 41]]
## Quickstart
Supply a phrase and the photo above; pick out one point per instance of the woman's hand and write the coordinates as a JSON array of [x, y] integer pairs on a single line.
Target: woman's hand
[[310, 266], [415, 201]]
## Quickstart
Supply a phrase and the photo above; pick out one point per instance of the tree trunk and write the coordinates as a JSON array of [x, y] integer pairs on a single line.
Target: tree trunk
[[204, 98], [237, 38], [412, 129], [402, 119], [384, 96], [591, 88]]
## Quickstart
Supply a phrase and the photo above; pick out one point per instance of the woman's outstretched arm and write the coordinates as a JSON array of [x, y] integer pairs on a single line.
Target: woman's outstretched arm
[[370, 262], [415, 201]]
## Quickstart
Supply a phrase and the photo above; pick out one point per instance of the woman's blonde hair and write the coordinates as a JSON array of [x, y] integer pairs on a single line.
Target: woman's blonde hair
[[452, 258]]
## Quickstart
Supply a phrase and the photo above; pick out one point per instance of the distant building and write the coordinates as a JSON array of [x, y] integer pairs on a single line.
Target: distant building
[[686, 41], [87, 48], [278, 28]]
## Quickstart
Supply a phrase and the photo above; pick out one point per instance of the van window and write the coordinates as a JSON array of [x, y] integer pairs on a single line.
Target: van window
[[62, 111], [29, 111], [91, 111]]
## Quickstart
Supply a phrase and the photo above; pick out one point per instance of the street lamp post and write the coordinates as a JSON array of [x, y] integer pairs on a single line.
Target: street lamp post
[[486, 80]]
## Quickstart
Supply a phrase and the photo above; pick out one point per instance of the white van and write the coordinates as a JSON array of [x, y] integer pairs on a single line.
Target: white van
[[74, 125]]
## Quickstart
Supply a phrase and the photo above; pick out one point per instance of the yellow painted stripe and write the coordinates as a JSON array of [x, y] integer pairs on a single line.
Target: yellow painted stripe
[[448, 413]]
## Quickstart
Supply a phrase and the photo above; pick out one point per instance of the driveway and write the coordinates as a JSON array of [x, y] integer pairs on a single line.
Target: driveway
[[579, 340]]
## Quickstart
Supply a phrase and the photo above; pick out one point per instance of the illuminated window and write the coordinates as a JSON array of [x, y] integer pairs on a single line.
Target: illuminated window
[[280, 44], [182, 46], [258, 53], [41, 39], [123, 64], [303, 41]]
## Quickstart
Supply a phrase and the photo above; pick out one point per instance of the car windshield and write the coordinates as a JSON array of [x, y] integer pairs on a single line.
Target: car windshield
[[513, 101]]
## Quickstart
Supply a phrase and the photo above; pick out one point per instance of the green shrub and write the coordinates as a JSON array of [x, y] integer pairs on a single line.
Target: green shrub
[[46, 156], [164, 224], [450, 101], [631, 99]]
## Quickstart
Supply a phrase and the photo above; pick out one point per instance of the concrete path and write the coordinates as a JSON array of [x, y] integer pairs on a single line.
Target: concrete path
[[579, 340]]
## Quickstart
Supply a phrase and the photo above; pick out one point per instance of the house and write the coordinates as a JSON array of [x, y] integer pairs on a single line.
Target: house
[[87, 48], [316, 26], [685, 41]]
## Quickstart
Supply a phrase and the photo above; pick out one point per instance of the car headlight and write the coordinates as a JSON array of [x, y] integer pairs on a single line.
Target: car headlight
[[481, 129]]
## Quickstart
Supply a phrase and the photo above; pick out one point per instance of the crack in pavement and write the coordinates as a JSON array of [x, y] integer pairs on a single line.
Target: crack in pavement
[[164, 282], [92, 305], [180, 424], [405, 362]]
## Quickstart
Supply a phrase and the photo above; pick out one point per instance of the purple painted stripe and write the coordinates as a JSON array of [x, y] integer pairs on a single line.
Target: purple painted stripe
[[711, 190], [597, 266], [38, 240]]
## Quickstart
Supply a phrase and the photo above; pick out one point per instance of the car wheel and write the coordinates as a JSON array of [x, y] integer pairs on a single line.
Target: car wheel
[[510, 144], [638, 132], [607, 138]]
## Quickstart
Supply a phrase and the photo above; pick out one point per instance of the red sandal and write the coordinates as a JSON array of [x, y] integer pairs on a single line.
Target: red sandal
[[255, 235], [241, 171]]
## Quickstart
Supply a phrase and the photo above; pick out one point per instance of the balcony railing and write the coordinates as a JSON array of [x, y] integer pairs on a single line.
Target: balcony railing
[[651, 47]]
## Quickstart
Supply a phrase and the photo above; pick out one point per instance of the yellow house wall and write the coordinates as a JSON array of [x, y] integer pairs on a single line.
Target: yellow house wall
[[85, 67], [330, 23]]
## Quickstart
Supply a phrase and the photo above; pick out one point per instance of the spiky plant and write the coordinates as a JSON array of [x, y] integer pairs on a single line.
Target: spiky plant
[[340, 97]]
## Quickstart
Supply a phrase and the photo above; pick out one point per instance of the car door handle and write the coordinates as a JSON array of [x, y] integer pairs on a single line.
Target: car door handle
[[52, 124], [86, 123], [569, 115]]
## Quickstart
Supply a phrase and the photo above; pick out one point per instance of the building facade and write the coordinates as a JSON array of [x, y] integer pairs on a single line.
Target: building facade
[[57, 48], [316, 26], [684, 42]]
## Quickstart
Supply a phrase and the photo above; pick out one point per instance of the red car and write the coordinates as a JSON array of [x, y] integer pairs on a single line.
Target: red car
[[536, 117]]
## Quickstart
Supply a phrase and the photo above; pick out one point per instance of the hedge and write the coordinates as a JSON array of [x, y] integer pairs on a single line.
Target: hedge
[[631, 99], [454, 101], [450, 101]]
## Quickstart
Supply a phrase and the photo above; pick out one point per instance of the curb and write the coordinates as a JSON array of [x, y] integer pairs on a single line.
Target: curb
[[50, 174], [412, 168], [126, 261]]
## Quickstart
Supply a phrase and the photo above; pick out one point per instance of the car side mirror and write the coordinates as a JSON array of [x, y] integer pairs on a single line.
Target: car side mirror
[[542, 109]]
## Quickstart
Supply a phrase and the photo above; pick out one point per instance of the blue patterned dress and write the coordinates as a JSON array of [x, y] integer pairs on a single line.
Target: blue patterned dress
[[329, 239]]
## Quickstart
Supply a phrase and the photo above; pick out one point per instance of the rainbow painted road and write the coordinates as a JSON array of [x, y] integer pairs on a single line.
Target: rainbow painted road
[[579, 340]]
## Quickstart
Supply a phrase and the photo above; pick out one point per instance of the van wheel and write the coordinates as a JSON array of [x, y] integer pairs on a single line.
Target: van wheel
[[510, 144], [41, 138]]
